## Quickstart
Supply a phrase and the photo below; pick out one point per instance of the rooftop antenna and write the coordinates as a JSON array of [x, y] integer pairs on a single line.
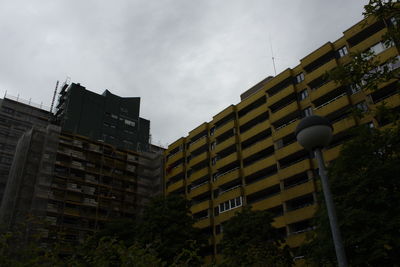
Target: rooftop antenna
[[54, 97], [272, 54]]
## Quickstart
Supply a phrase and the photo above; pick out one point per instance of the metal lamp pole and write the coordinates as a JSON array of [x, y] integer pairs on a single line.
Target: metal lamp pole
[[313, 133]]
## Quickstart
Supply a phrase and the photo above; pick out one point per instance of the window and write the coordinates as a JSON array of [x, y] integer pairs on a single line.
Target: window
[[362, 106], [279, 144], [342, 51], [394, 21], [114, 116], [355, 88], [300, 78], [395, 64], [212, 131], [230, 204], [8, 110], [303, 94], [130, 123], [212, 146], [307, 111], [377, 48]]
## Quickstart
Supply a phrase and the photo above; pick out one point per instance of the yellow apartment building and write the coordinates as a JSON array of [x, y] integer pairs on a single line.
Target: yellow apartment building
[[248, 153]]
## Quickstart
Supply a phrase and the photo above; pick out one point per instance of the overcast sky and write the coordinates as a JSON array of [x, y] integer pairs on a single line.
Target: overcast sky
[[186, 59]]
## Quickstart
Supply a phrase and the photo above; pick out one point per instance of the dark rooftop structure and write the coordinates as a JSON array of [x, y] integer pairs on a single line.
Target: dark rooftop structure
[[106, 117]]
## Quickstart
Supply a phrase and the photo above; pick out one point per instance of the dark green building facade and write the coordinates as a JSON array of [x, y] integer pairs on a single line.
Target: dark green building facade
[[106, 117]]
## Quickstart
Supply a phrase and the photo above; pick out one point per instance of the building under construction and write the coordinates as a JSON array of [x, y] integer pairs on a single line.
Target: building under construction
[[16, 117], [72, 184]]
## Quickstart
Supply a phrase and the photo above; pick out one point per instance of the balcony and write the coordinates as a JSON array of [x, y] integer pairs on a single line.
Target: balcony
[[197, 159], [176, 157], [324, 89], [198, 143], [206, 222], [175, 171], [281, 94], [284, 131], [294, 169], [387, 54], [226, 177], [223, 128], [343, 124], [369, 41], [222, 217], [225, 144], [334, 104], [267, 203], [300, 214], [257, 147], [201, 206], [264, 183], [223, 114], [287, 150], [288, 109], [262, 126], [225, 161], [321, 70], [300, 190], [316, 55], [175, 186], [391, 101], [236, 192], [259, 165], [297, 240], [332, 153], [198, 174], [200, 190], [253, 114]]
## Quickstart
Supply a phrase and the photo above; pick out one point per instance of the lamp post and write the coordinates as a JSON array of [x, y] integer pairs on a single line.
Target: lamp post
[[314, 133]]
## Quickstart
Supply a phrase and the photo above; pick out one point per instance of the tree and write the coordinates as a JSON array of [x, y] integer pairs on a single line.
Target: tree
[[167, 227], [365, 71], [164, 232], [365, 184], [364, 178], [250, 240], [111, 252]]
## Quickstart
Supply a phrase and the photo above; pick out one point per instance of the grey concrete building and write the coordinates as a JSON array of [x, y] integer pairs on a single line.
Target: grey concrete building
[[16, 117]]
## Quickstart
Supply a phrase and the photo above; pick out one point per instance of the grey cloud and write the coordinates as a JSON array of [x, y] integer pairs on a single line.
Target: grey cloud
[[187, 60]]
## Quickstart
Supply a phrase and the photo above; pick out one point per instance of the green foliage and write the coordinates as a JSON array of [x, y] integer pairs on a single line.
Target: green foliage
[[121, 229], [364, 179], [167, 227], [110, 252], [15, 250], [366, 188], [250, 240], [164, 236], [364, 72], [385, 10]]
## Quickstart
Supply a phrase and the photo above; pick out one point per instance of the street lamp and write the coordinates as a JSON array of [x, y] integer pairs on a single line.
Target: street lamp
[[314, 133]]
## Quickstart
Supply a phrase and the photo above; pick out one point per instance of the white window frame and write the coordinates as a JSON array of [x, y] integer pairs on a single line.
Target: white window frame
[[308, 111], [303, 94], [300, 77], [230, 204], [343, 51]]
